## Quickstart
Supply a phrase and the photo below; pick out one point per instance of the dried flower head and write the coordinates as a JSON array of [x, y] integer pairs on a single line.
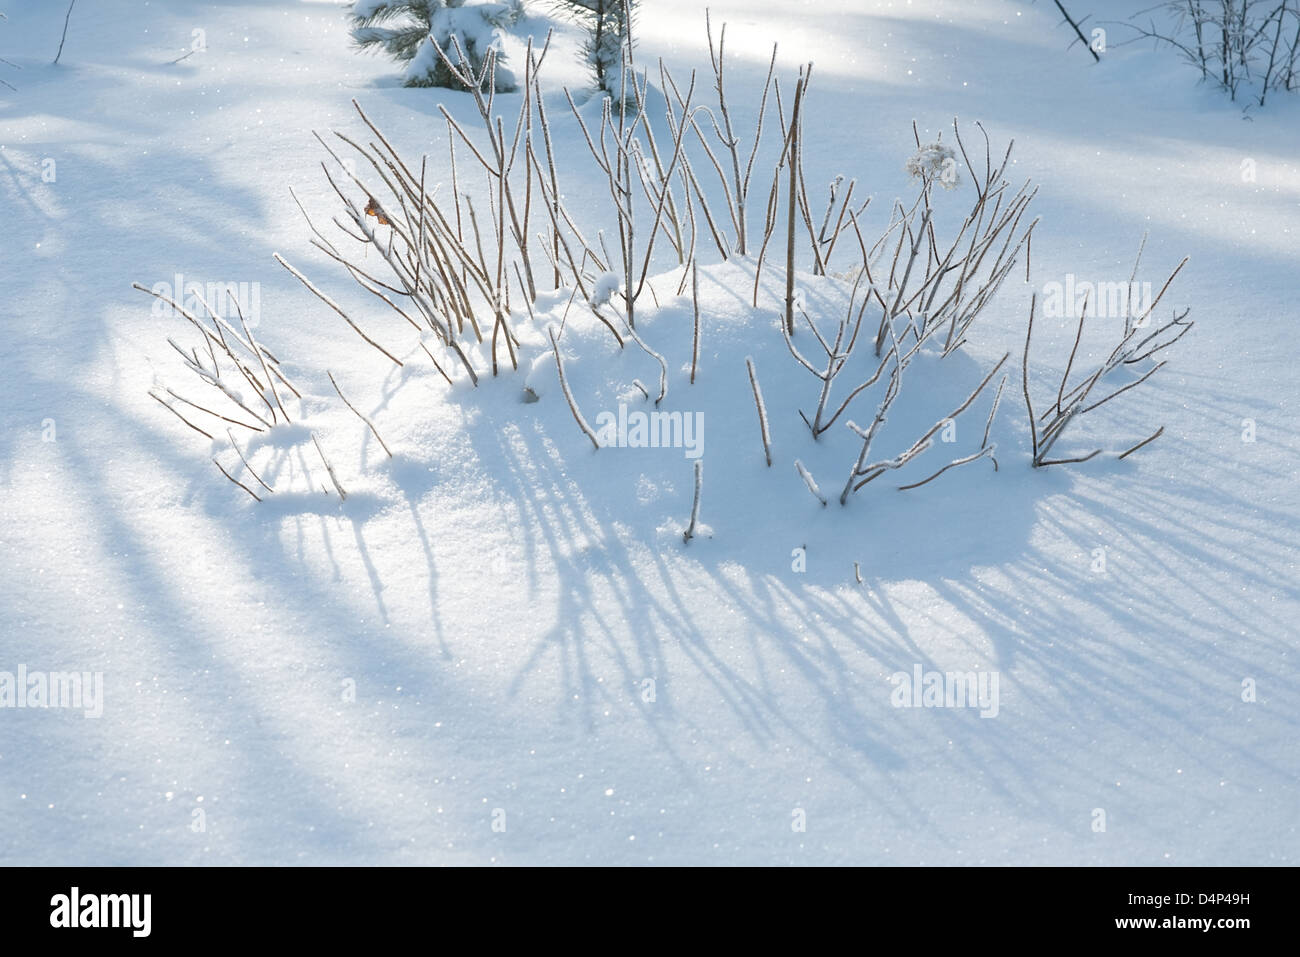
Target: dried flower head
[[932, 162]]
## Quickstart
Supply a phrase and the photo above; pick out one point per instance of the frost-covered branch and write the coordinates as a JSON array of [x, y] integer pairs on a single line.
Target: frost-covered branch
[[1072, 402], [695, 503], [762, 410]]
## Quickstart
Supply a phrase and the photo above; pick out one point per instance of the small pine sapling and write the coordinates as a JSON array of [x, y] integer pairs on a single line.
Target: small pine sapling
[[414, 31], [607, 24]]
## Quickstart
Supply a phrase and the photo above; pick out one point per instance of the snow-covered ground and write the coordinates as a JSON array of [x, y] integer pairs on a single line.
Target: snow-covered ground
[[499, 650]]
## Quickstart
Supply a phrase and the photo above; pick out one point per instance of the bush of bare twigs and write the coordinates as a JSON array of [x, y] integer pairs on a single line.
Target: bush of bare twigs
[[466, 278], [1232, 43]]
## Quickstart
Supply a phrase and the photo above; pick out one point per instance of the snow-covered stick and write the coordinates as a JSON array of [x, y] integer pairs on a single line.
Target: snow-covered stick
[[524, 126], [1159, 432], [695, 504], [553, 208], [335, 306], [1267, 83], [976, 284], [564, 387], [481, 262], [257, 350], [528, 296], [505, 164], [769, 223], [810, 482], [841, 218], [455, 193], [329, 468], [663, 363], [986, 451], [758, 131], [728, 135], [868, 435], [992, 282], [251, 471], [1024, 373], [419, 232], [792, 152], [790, 207], [836, 183], [173, 411], [762, 410], [805, 208], [690, 218], [222, 470], [876, 469], [695, 303], [1074, 351], [275, 371], [997, 398], [366, 280], [702, 198], [358, 413]]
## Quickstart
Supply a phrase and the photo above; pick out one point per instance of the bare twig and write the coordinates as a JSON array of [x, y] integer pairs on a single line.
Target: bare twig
[[564, 385], [695, 504], [329, 468], [235, 480], [810, 482], [762, 410], [251, 471], [695, 303], [1078, 32], [358, 414], [66, 18]]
